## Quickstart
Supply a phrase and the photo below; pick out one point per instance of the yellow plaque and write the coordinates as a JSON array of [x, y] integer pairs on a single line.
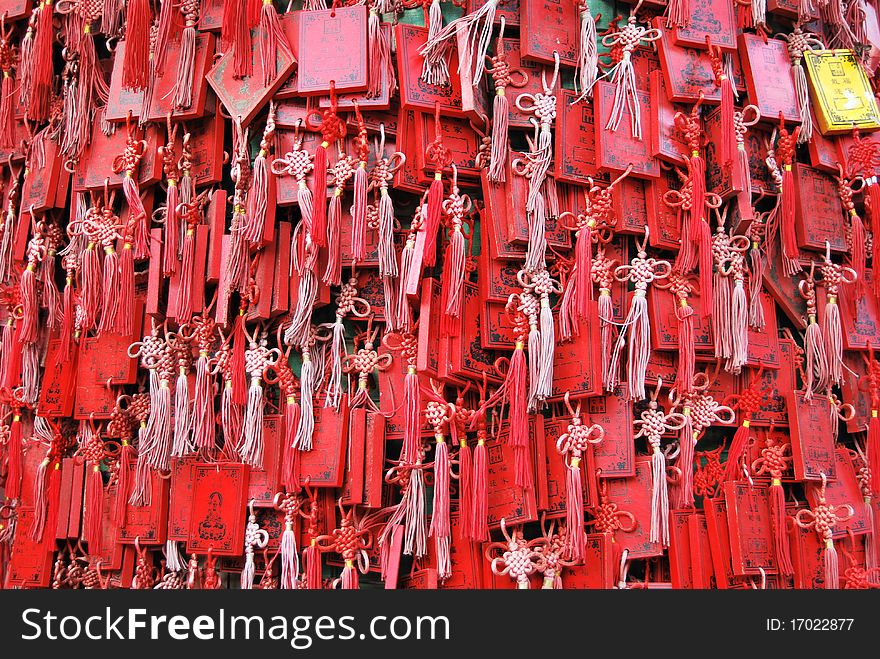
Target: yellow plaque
[[841, 93]]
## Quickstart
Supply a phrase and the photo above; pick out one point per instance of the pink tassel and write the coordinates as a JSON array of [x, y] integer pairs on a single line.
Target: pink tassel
[[203, 406], [659, 498], [112, 290], [780, 532], [14, 458], [312, 559], [415, 536], [479, 525], [686, 356], [574, 510], [465, 489], [186, 63], [289, 558], [272, 42], [833, 335], [90, 286], [832, 570], [252, 446], [94, 512], [185, 285], [125, 312], [440, 526], [303, 439], [412, 405], [182, 415], [29, 310]]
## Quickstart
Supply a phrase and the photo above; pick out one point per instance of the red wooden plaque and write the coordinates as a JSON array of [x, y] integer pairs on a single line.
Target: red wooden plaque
[[218, 508]]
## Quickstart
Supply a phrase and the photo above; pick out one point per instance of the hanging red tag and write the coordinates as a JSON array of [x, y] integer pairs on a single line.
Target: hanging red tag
[[817, 210], [751, 534], [180, 499], [575, 159], [164, 86], [597, 572], [668, 142], [719, 540], [218, 508], [681, 566], [57, 386], [506, 499], [861, 321], [353, 487], [708, 18], [764, 345], [324, 465], [30, 562], [374, 460], [633, 495], [812, 444], [468, 359], [245, 97], [549, 29], [768, 77], [149, 524], [577, 364], [342, 33], [264, 483], [617, 150]]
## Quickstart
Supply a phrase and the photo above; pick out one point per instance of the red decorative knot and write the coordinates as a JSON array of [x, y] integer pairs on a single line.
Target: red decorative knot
[[578, 438], [823, 517], [705, 411], [691, 126], [608, 517], [709, 474], [127, 163], [785, 146], [774, 461], [437, 415], [342, 171], [257, 359], [190, 11], [297, 163], [518, 559]]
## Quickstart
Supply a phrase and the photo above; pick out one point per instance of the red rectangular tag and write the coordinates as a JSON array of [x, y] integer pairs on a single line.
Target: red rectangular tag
[[264, 483], [324, 464], [633, 495], [616, 150], [30, 562], [614, 456], [180, 499], [577, 364], [149, 524], [575, 159], [218, 508], [245, 97], [818, 217], [597, 572], [708, 18], [812, 445], [164, 83], [768, 77], [751, 533], [374, 460], [332, 50], [549, 28], [506, 500]]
